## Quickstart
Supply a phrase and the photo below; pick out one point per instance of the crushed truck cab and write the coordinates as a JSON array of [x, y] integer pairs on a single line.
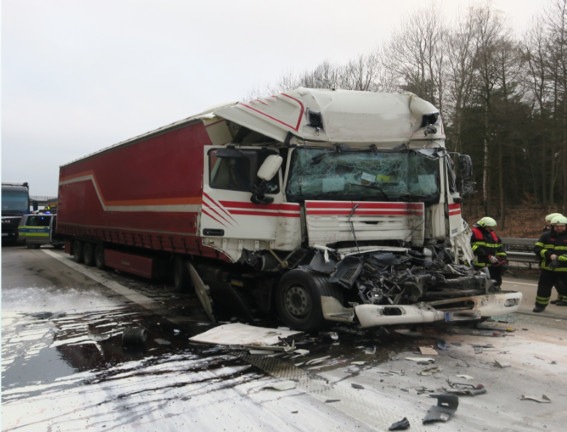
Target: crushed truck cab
[[319, 205]]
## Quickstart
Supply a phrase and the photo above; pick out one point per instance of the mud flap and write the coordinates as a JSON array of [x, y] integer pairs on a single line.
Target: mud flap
[[202, 291]]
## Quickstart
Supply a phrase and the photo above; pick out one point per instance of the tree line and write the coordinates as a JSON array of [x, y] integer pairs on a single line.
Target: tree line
[[502, 97]]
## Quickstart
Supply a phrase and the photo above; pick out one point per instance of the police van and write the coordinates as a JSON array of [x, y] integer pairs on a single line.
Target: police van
[[39, 229]]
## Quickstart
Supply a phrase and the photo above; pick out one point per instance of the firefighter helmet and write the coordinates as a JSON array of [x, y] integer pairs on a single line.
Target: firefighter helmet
[[486, 222], [559, 220], [550, 217]]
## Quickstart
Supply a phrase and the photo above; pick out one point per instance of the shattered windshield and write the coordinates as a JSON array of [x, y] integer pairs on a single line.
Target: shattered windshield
[[320, 174]]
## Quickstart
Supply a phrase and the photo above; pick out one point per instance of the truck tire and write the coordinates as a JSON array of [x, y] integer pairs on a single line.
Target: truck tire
[[298, 299], [88, 254], [181, 278], [78, 251], [99, 257]]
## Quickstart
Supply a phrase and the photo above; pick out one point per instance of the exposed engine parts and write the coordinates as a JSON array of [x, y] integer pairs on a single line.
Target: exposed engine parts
[[399, 277]]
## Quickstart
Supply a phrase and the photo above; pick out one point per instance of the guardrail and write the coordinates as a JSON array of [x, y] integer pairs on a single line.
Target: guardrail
[[520, 250]]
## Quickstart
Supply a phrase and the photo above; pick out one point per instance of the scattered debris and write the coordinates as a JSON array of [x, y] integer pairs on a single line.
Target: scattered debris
[[425, 350], [429, 371], [332, 400], [467, 377], [543, 399], [465, 389], [357, 386], [501, 364], [481, 348], [421, 360], [370, 351], [246, 336], [446, 406], [317, 360], [281, 386], [134, 336], [442, 345], [161, 341], [333, 336], [403, 424]]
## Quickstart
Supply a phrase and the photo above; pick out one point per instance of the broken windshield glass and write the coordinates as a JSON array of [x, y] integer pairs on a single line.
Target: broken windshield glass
[[404, 175]]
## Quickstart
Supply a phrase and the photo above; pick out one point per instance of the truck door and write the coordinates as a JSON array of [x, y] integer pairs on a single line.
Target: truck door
[[228, 185]]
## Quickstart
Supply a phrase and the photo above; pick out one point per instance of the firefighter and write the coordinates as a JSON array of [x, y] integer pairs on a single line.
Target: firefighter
[[547, 227], [548, 220], [551, 249], [488, 249]]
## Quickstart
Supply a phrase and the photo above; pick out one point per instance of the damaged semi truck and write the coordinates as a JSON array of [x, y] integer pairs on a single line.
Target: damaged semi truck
[[319, 205]]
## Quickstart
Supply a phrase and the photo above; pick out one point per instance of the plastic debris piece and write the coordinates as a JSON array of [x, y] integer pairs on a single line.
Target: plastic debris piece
[[446, 406], [403, 424], [543, 399]]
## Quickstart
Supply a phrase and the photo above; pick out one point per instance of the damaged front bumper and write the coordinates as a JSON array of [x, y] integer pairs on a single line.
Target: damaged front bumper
[[450, 310]]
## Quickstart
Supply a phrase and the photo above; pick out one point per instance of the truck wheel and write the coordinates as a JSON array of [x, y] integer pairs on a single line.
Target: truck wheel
[[298, 299], [181, 278], [99, 257], [88, 254], [78, 251]]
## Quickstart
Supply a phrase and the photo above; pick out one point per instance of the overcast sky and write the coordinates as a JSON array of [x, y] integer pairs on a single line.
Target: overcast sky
[[81, 75]]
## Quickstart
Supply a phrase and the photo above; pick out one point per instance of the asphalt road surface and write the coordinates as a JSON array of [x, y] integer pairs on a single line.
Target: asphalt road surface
[[65, 366]]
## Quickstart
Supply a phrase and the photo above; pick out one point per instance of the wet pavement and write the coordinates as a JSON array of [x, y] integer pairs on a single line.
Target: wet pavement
[[65, 365]]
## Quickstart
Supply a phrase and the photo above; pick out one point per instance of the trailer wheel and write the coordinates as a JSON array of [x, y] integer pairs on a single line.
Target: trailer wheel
[[181, 278], [298, 299], [99, 257], [78, 251], [88, 254]]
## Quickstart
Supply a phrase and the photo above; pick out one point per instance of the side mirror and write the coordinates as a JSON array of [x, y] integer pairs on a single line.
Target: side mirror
[[266, 172], [270, 167], [467, 183]]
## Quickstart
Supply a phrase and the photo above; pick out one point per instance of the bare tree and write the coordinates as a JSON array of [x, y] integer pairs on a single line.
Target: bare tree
[[416, 56], [460, 47]]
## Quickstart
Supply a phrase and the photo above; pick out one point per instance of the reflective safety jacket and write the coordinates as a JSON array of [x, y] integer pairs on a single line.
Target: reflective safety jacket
[[485, 244], [551, 243]]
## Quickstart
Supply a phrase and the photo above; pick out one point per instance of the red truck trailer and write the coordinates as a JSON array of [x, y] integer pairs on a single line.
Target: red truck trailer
[[321, 205]]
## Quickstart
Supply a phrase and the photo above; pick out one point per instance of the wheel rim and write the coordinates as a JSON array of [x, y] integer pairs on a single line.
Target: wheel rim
[[297, 301]]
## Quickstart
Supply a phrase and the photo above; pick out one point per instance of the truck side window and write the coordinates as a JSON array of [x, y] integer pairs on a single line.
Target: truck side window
[[231, 173], [237, 173]]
